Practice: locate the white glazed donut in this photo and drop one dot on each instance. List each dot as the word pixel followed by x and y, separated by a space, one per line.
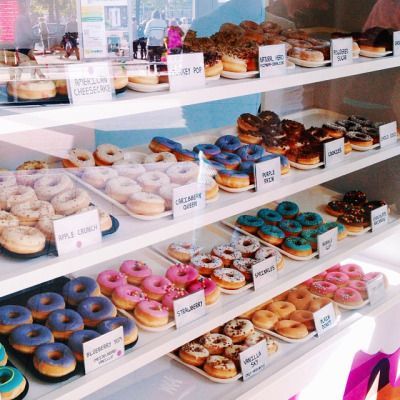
pixel 7 179
pixel 7 220
pixel 134 157
pixel 107 154
pixel 143 203
pixel 152 181
pixel 183 172
pixel 50 185
pixel 98 177
pixel 129 170
pixel 16 195
pixel 159 161
pixel 22 239
pixel 121 188
pixel 45 225
pixel 167 192
pixel 104 217
pixel 70 201
pixel 30 213
pixel 27 177
pixel 79 158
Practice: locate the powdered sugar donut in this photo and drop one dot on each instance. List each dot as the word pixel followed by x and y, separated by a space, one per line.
pixel 13 195
pixel 167 193
pixel 30 213
pixel 50 185
pixel 120 188
pixel 107 154
pixel 7 220
pixel 144 203
pixel 159 161
pixel 98 177
pixel 152 181
pixel 183 172
pixel 131 171
pixel 70 201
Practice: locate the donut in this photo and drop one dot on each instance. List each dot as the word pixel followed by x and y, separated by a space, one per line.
pixel 146 79
pixel 155 286
pixel 32 90
pixel 12 316
pixel 249 123
pixel 130 329
pixel 167 193
pixel 7 179
pixel 302 44
pixel 42 304
pixel 54 360
pixel 79 289
pixel 152 181
pixel 228 143
pixel 7 220
pixel 13 383
pixel 107 154
pixel 98 176
pixel 300 298
pixel 338 207
pixel 285 165
pixel 256 337
pixel 93 310
pixel 238 329
pixel 220 367
pixel 245 266
pixel 228 160
pixel 250 137
pixel 360 286
pixel 291 329
pixel 271 234
pixel 30 213
pixel 70 201
pixel 226 253
pixel 342 232
pixel 249 223
pixel 159 161
pixel 281 308
pixel 14 195
pixel 311 235
pixel 247 167
pixel 288 209
pixel 373 205
pixel 173 293
pixel 334 130
pixel 63 323
pixel 79 158
pixel 181 275
pixel 334 268
pixel 317 135
pixel 233 63
pixel 264 319
pixel 3 356
pixel 211 290
pixel 215 343
pixel 161 144
pixel 309 220
pixel 135 271
pixel 121 188
pixel 305 317
pixel 355 197
pixel 306 155
pixel 207 150
pixel 290 227
pixel 250 152
pixel 129 169
pixel 76 340
pixel 306 284
pixel 30 171
pixel 144 203
pixel 206 263
pixel 183 251
pixel 348 296
pixel 185 155
pixel 22 240
pixel 360 139
pixel 233 353
pixel 297 246
pixel 266 252
pixel 127 297
pixel 182 172
pixel 26 338
pixel 151 313
pixel 355 221
pixel 323 289
pixel 319 303
pixel 306 54
pixel 50 185
pixel 228 278
pixel 269 216
pixel 109 280
pixel 193 353
pixel 247 245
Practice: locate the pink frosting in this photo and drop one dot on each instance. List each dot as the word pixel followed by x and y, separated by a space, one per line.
pixel 371 276
pixel 130 293
pixel 334 268
pixel 181 274
pixel 152 308
pixel 354 271
pixel 172 294
pixel 323 288
pixel 337 278
pixel 348 296
pixel 207 284
pixel 135 269
pixel 111 279
pixel 156 284
pixel 360 286
pixel 320 277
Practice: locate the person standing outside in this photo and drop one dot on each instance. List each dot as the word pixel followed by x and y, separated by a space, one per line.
pixel 155 32
pixel 71 39
pixel 44 34
pixel 135 38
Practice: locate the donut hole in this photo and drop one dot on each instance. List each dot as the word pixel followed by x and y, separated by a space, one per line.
pixel 5 376
pixel 80 288
pixel 247 242
pixel 110 153
pixel 55 355
pixel 96 308
pixel 33 334
pixel 82 158
pixel 207 260
pixel 14 314
pixel 113 278
pixel 65 319
pixel 228 252
pixel 181 273
pixel 45 301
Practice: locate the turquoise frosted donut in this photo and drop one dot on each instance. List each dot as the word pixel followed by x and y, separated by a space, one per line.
pixel 273 231
pixel 311 235
pixel 270 217
pixel 290 227
pixel 3 355
pixel 288 209
pixel 309 219
pixel 12 381
pixel 249 223
pixel 331 225
pixel 297 246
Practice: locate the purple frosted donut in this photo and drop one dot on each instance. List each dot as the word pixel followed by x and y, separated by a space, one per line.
pixel 228 160
pixel 250 152
pixel 228 143
pixel 232 179
pixel 209 150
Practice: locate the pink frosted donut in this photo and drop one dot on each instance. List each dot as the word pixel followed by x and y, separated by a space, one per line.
pixel 211 290
pixel 136 271
pixel 155 286
pixel 334 268
pixel 338 278
pixel 323 289
pixel 172 294
pixel 348 296
pixel 360 286
pixel 372 275
pixel 182 274
pixel 109 280
pixel 320 277
pixel 127 296
pixel 151 313
pixel 353 271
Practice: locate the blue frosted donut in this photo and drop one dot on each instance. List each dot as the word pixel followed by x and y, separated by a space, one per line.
pixel 249 223
pixel 185 155
pixel 42 304
pixel 271 230
pixel 228 143
pixel 228 160
pixel 211 165
pixel 79 289
pixel 311 235
pixel 76 340
pixel 54 359
pixel 3 355
pixel 96 309
pixel 209 150
pixel 297 246
pixel 270 217
pixel 128 325
pixel 285 165
pixel 290 227
pixel 159 144
pixel 233 178
pixel 288 209
pixel 63 322
pixel 331 225
pixel 12 316
pixel 26 338
pixel 250 152
pixel 309 220
pixel 248 168
pixel 11 381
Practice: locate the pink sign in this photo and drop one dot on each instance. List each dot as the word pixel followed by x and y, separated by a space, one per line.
pixel 8 15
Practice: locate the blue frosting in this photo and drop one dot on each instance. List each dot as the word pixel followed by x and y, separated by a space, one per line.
pixel 228 143
pixel 45 302
pixel 79 289
pixel 55 354
pixel 30 335
pixel 297 243
pixel 96 309
pixel 76 340
pixel 64 320
pixel 288 209
pixel 284 160
pixel 272 230
pixel 211 164
pixel 171 144
pixel 309 219
pixel 232 172
pixel 290 226
pixel 250 220
pixel 187 154
pixel 248 167
pixel 11 378
pixel 311 235
pixel 269 216
pixel 250 152
pixel 14 315
pixel 331 225
pixel 207 149
pixel 109 325
pixel 229 160
pixel 3 353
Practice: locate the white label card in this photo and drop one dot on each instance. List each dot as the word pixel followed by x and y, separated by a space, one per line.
pixel 188 199
pixel 342 51
pixel 189 308
pixel 388 134
pixel 103 349
pixel 325 319
pixel 396 43
pixel 376 290
pixel 379 217
pixel 272 60
pixel 334 152
pixel 89 83
pixel 267 174
pixel 186 71
pixel 327 242
pixel 77 231
pixel 264 272
pixel 253 360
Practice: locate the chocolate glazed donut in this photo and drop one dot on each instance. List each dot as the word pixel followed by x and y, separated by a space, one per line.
pixel 292 128
pixel 249 123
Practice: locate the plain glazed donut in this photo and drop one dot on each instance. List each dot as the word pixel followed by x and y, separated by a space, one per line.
pixel 22 240
pixel 98 177
pixel 264 319
pixel 220 367
pixel 79 158
pixel 144 203
pixel 317 304
pixel 182 172
pixel 238 329
pixel 300 298
pixel 281 308
pixel 305 317
pixel 29 214
pixel 291 329
pixel 193 353
pixel 216 343
pixel 107 154
pixel 48 186
pixel 120 188
pixel 151 313
pixel 14 195
pixel 70 201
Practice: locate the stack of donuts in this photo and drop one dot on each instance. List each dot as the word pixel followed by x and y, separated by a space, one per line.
pixel 376 40
pixel 218 352
pixel 344 284
pixel 228 265
pixel 150 297
pixel 52 327
pixel 293 231
pixel 354 210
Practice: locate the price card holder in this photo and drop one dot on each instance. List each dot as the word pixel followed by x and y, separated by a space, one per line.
pixel 376 290
pixel 325 319
pixel 253 360
pixel 77 231
pixel 189 308
pixel 188 199
pixel 388 134
pixel 396 43
pixel 264 272
pixel 267 174
pixel 334 152
pixel 272 60
pixel 342 51
pixel 186 71
pixel 379 217
pixel 89 83
pixel 103 349
pixel 327 242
